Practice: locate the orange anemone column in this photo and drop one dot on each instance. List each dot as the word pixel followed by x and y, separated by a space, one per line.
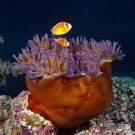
pixel 69 102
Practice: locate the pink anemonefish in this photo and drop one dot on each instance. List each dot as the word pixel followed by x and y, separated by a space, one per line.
pixel 62 42
pixel 61 28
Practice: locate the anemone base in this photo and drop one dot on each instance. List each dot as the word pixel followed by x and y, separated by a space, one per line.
pixel 69 102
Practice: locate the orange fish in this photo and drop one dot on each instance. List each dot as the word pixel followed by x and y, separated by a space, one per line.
pixel 62 42
pixel 61 28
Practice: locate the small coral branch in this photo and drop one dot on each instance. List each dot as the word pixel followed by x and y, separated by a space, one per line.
pixel 91 55
pixel 1 40
pixel 6 68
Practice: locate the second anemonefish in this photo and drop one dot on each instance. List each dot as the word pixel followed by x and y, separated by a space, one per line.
pixel 62 42
pixel 61 28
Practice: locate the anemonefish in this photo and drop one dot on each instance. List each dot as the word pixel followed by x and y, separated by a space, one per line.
pixel 61 28
pixel 62 42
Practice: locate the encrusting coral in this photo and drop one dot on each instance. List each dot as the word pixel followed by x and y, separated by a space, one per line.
pixel 68 85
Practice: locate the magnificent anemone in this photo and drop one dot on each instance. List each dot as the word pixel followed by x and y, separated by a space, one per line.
pixel 68 85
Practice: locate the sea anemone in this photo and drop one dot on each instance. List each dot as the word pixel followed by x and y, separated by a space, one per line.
pixel 68 85
pixel 44 59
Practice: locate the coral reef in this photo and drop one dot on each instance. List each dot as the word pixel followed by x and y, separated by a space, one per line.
pixel 128 83
pixel 19 118
pixel 6 68
pixel 80 73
